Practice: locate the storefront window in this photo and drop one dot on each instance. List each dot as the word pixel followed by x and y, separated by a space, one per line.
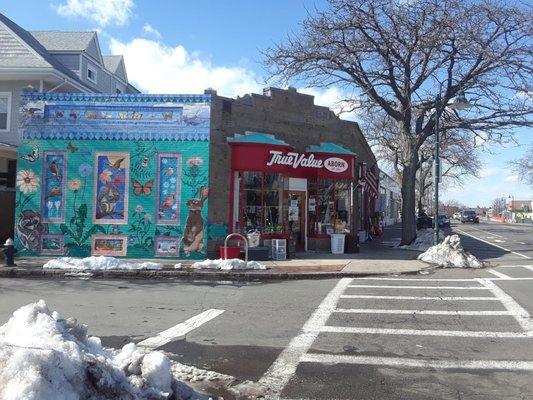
pixel 261 196
pixel 329 206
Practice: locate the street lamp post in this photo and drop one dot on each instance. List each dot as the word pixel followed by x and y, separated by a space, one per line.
pixel 511 196
pixel 460 103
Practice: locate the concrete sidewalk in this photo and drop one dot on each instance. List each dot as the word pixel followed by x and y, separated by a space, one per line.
pixel 375 258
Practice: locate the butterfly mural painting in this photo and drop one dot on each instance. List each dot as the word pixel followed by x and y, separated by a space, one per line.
pixel 32 156
pixel 140 189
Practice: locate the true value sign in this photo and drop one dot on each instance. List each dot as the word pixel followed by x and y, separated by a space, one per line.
pixel 297 160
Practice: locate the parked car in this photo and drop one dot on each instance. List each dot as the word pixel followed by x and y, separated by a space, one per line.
pixel 469 216
pixel 443 220
pixel 457 216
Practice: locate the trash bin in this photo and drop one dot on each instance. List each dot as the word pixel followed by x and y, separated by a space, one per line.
pixel 337 243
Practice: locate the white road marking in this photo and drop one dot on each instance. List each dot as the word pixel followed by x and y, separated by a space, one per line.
pixel 418 279
pixel 180 330
pixel 522 242
pixel 492 244
pixel 519 313
pixel 284 367
pixel 450 298
pixel 419 287
pixel 528 267
pixel 421 312
pixel 508 365
pixel 499 241
pixel 498 274
pixel 424 332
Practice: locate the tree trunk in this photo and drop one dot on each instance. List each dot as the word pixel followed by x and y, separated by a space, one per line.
pixel 409 202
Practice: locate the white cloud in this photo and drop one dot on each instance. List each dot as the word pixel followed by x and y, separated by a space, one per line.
pixel 333 98
pixel 489 171
pixel 157 68
pixel 103 12
pixel 150 30
pixel 511 178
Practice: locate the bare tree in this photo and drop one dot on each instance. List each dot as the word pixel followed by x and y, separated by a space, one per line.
pixel 523 167
pixel 408 59
pixel 499 205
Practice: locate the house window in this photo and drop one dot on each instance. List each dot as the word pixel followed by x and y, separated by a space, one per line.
pixel 5 111
pixel 91 74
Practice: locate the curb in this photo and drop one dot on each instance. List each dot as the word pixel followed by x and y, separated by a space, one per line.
pixel 17 272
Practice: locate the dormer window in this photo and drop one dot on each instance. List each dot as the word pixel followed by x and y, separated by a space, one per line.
pixel 91 74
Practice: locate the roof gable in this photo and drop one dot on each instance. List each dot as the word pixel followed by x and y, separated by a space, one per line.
pixel 41 59
pixel 115 65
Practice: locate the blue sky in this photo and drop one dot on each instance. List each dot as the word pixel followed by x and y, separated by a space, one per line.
pixel 191 45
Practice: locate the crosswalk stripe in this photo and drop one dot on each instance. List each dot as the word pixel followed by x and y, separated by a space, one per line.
pixel 508 365
pixel 447 298
pixel 424 332
pixel 419 287
pixel 421 312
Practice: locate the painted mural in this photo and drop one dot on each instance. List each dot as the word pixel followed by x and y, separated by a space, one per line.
pixel 122 175
pixel 110 191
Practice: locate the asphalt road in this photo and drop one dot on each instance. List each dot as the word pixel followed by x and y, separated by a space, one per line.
pixel 453 334
pixel 497 243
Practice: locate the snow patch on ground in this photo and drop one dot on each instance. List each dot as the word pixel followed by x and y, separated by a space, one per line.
pixel 46 357
pixel 423 241
pixel 96 263
pixel 233 263
pixel 450 253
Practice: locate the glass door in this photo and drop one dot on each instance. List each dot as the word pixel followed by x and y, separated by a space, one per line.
pixel 296 218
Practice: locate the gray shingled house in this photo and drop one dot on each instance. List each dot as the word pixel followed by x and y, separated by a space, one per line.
pixel 49 61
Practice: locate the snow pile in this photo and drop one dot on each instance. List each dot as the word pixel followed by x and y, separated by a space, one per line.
pixel 423 241
pixel 100 262
pixel 450 253
pixel 46 357
pixel 233 263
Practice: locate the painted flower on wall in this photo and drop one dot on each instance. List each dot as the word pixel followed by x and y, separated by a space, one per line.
pixel 74 184
pixel 147 217
pixel 139 209
pixel 105 176
pixel 195 161
pixel 85 170
pixel 27 181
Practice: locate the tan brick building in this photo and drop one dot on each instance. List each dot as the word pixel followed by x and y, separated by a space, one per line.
pixel 288 168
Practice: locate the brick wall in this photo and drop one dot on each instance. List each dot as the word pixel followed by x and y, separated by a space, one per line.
pixel 287 114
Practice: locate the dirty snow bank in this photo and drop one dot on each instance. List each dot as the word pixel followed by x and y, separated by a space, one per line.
pixel 423 241
pixel 100 262
pixel 46 357
pixel 450 253
pixel 233 263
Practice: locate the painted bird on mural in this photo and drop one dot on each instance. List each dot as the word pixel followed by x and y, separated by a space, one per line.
pixel 117 164
pixel 167 203
pixel 170 171
pixel 54 169
pixel 55 191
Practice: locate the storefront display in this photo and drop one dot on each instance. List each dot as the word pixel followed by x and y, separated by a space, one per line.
pixel 303 195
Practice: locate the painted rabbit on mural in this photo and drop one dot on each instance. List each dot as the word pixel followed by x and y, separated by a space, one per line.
pixel 193 236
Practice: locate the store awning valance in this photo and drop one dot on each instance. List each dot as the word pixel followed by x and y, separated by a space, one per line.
pixel 257 138
pixel 328 147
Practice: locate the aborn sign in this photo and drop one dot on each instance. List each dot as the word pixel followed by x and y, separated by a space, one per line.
pixel 296 160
